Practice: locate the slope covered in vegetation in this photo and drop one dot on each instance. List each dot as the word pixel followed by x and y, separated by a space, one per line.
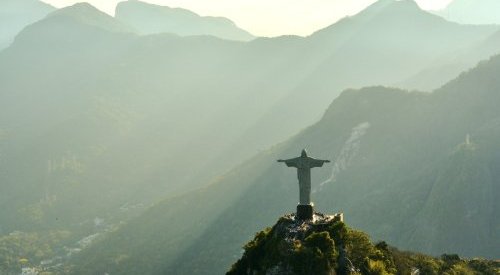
pixel 327 246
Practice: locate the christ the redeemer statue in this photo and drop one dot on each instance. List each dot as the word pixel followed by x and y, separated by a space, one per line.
pixel 304 164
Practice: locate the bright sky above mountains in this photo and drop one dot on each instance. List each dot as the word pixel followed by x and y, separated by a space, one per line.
pixel 266 17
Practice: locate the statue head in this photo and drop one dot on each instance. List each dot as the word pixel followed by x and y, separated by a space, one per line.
pixel 304 153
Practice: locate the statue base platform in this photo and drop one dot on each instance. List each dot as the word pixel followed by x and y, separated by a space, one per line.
pixel 305 211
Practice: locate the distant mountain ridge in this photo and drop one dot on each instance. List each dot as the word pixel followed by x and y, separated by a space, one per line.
pixel 377 46
pixel 472 11
pixel 147 18
pixel 134 16
pixel 87 14
pixel 17 14
pixel 450 65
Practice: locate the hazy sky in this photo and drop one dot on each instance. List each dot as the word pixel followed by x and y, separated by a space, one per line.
pixel 266 17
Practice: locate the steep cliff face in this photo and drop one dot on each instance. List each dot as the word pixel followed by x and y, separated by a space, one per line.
pixel 326 246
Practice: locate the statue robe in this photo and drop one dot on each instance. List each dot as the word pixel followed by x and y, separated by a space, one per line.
pixel 304 165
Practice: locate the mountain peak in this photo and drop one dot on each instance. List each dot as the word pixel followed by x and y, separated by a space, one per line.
pixel 392 6
pixel 290 247
pixel 327 246
pixel 81 7
pixel 148 18
pixel 136 4
pixel 86 13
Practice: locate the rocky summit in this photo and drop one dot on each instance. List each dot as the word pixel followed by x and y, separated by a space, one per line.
pixel 325 245
pixel 294 246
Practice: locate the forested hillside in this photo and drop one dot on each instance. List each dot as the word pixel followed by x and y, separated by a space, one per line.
pixel 326 246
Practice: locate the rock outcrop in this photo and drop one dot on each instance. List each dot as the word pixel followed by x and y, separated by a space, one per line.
pixel 326 246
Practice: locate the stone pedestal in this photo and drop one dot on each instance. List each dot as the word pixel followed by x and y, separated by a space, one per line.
pixel 305 211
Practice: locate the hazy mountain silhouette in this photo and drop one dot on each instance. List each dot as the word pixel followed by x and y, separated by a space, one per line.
pixel 450 65
pixel 94 117
pixel 415 169
pixel 17 14
pixel 100 94
pixel 472 11
pixel 86 14
pixel 380 45
pixel 110 101
pixel 147 18
pixel 54 74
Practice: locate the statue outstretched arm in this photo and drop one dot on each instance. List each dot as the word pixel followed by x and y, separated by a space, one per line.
pixel 318 162
pixel 290 162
